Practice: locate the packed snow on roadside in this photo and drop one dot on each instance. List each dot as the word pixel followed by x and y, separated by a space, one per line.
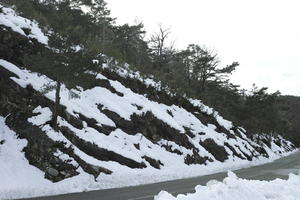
pixel 233 187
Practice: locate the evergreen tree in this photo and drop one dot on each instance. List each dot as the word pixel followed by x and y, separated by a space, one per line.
pixel 202 66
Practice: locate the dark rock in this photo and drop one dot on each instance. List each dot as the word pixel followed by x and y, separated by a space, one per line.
pixel 267 141
pixel 74 121
pixel 66 174
pixel 99 170
pixel 106 84
pixel 154 163
pixel 93 123
pixel 97 152
pixel 137 146
pixel 26 30
pixel 138 107
pixel 261 151
pixel 188 132
pixel 170 149
pixel 216 150
pixel 17 104
pixel 278 142
pixel 155 130
pixel 170 113
pixel 52 172
pixel 14 46
pixel 234 151
pixel 245 154
pixel 151 127
pixel 195 159
pixel 88 168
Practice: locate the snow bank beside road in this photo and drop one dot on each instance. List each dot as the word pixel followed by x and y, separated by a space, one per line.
pixel 233 187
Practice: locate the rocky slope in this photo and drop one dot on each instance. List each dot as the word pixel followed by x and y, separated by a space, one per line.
pixel 121 127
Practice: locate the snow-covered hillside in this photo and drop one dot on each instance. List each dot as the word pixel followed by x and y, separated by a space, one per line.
pixel 109 135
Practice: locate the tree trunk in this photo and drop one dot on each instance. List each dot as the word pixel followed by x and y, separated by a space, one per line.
pixel 56 104
pixel 188 89
pixel 203 82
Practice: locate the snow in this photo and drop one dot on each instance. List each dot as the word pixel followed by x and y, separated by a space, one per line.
pixel 125 106
pixel 85 105
pixel 44 116
pixel 10 19
pixel 19 179
pixel 223 122
pixel 25 77
pixel 77 48
pixel 123 143
pixel 123 70
pixel 15 171
pixel 233 187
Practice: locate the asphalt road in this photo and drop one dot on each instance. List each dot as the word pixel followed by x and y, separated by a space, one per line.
pixel 277 169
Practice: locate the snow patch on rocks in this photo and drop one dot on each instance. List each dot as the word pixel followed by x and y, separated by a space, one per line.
pixel 9 18
pixel 44 116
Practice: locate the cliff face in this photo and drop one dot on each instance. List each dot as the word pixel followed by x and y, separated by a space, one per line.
pixel 120 126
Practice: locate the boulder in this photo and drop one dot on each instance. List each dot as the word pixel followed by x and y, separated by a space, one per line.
pixel 52 172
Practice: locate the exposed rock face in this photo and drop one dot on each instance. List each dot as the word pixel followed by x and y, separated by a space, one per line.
pixel 14 46
pixel 217 151
pixel 154 163
pixel 51 172
pixel 17 104
pixel 99 153
pixel 151 127
pixel 195 159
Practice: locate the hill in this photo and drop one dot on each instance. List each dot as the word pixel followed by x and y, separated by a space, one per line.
pixel 72 120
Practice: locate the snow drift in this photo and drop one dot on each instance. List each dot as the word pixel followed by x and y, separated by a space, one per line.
pixel 233 187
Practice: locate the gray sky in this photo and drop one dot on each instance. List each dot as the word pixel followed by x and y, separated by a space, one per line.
pixel 262 35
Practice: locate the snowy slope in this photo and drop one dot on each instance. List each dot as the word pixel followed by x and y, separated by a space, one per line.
pixel 172 165
pixel 108 135
pixel 14 167
pixel 125 106
pixel 19 24
pixel 233 187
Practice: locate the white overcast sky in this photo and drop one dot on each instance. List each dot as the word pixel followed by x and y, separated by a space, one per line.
pixel 262 35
